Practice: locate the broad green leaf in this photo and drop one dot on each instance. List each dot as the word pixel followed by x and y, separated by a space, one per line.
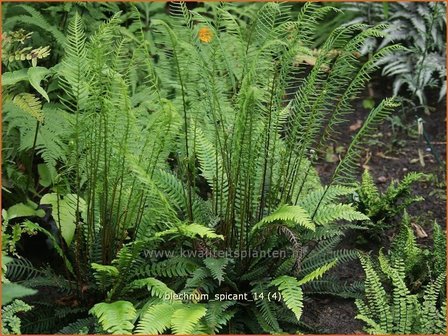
pixel 46 175
pixel 36 75
pixel 11 78
pixel 11 291
pixel 64 212
pixel 24 210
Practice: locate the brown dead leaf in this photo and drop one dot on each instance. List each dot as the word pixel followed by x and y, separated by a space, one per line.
pixel 419 231
pixel 382 179
pixel 384 156
pixel 355 126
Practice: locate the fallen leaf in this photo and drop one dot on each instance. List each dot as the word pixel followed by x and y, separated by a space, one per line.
pixel 419 231
pixel 384 156
pixel 356 125
pixel 382 179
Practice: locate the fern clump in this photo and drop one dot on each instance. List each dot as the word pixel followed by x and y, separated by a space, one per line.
pixel 184 170
pixel 382 208
pixel 398 311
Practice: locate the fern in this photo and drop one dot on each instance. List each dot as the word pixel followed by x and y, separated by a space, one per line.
pixel 400 312
pixel 267 315
pixel 156 319
pixel 195 133
pixel 343 172
pixel 21 269
pixel 292 294
pixel 81 326
pixel 290 215
pixel 382 207
pixel 156 287
pixel 218 315
pixel 116 317
pixel 419 27
pixel 185 319
pixel 216 267
pixel 10 321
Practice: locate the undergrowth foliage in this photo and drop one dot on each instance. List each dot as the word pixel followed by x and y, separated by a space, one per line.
pixel 421 28
pixel 398 311
pixel 201 136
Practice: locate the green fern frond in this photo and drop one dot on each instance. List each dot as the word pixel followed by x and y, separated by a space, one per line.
pixel 30 104
pixel 378 304
pixel 184 320
pixel 265 311
pixel 218 315
pixel 173 267
pixel 369 190
pixel 317 273
pixel 331 212
pixel 156 319
pixel 439 238
pixel 116 317
pixel 81 326
pixel 343 173
pixel 74 68
pixel 292 294
pixel 332 193
pixel 11 323
pixel 21 269
pixel 156 287
pixel 291 215
pixel 105 275
pixel 217 267
pixel 429 312
pixel 35 18
pixel 192 230
pixel 330 285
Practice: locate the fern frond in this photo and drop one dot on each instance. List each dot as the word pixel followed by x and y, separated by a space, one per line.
pixel 30 104
pixel 116 317
pixel 173 267
pixel 81 326
pixel 292 294
pixel 156 287
pixel 184 320
pixel 290 215
pixel 343 173
pixel 21 269
pixel 376 296
pixel 266 314
pixel 317 273
pixel 156 319
pixel 192 230
pixel 331 212
pixel 11 323
pixel 218 315
pixel 217 267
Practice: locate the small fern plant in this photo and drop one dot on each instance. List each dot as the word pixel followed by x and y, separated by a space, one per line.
pixel 398 311
pixel 422 262
pixel 383 207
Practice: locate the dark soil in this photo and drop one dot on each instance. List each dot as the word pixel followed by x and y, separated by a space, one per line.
pixel 391 155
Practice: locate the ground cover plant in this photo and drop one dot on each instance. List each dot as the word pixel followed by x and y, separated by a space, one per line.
pixel 171 164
